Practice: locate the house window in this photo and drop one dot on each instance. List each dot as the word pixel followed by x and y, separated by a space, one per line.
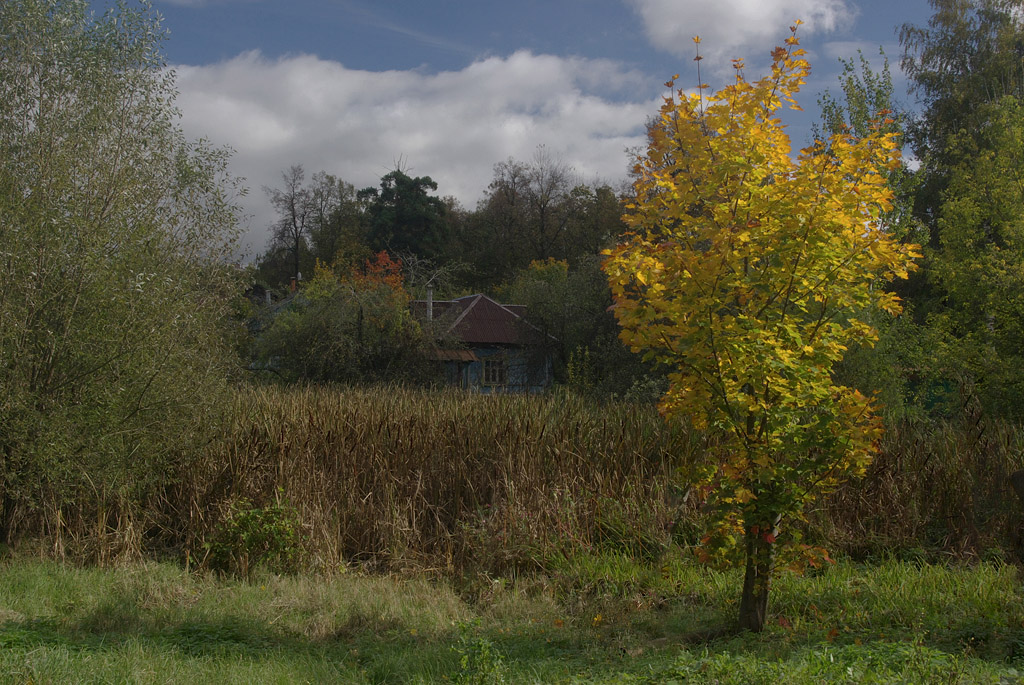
pixel 495 371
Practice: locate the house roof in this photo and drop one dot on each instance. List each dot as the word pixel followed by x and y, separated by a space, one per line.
pixel 479 320
pixel 453 355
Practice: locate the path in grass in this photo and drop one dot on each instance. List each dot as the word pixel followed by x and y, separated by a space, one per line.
pixel 606 620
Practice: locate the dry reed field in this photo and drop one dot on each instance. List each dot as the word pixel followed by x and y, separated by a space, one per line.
pixel 391 479
pixel 397 478
pixel 941 487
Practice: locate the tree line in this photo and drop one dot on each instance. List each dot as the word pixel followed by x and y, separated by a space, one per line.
pixel 535 239
pixel 537 235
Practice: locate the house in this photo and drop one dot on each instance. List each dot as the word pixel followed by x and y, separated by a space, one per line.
pixel 487 346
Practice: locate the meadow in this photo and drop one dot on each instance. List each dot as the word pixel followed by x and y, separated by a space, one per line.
pixel 888 622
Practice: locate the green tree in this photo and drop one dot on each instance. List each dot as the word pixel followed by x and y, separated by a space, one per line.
pixel 403 218
pixel 337 232
pixel 595 222
pixel 114 236
pixel 968 55
pixel 534 211
pixel 348 325
pixel 570 306
pixel 965 67
pixel 747 272
pixel 978 266
pixel 556 304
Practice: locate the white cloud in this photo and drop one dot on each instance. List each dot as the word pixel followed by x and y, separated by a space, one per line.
pixel 729 29
pixel 453 126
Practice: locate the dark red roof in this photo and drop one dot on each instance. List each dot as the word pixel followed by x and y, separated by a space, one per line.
pixel 479 320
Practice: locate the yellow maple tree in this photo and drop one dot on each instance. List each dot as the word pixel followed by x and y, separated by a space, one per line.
pixel 749 272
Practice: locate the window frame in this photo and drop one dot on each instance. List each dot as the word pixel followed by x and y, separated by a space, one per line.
pixel 494 371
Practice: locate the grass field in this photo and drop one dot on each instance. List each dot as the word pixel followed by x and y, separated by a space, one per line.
pixel 598 619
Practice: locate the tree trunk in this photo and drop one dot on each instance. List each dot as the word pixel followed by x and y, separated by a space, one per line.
pixel 756 580
pixel 7 518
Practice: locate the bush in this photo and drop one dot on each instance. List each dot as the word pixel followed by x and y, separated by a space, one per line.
pixel 355 328
pixel 114 232
pixel 250 537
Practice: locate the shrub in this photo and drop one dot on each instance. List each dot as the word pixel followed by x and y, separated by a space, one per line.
pixel 114 231
pixel 250 537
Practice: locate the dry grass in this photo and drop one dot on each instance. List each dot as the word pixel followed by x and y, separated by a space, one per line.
pixel 934 487
pixel 397 478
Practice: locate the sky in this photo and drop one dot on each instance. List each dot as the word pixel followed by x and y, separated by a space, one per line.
pixel 449 88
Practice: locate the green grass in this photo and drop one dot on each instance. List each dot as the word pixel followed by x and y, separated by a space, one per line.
pixel 597 619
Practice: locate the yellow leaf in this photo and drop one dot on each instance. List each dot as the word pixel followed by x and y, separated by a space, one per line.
pixel 750 336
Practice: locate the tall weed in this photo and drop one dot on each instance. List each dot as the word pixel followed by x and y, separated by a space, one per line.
pixel 396 478
pixel 392 478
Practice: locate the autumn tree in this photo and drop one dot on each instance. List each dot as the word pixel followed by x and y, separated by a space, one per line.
pixel 896 367
pixel 748 271
pixel 864 92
